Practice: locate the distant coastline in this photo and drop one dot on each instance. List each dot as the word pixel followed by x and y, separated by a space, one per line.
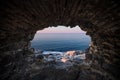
pixel 61 41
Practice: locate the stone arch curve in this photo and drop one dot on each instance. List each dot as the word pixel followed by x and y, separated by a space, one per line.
pixel 20 19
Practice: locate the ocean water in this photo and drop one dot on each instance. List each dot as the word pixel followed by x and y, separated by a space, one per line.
pixel 60 41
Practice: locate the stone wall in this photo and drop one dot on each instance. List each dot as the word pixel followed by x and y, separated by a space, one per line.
pixel 20 19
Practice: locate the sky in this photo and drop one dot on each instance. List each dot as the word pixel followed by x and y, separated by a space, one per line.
pixel 61 29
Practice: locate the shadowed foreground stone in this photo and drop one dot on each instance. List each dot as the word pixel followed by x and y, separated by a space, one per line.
pixel 20 19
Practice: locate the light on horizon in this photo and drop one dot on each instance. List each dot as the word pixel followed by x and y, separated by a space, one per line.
pixel 61 29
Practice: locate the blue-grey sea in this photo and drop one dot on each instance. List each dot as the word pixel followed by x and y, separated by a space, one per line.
pixel 60 41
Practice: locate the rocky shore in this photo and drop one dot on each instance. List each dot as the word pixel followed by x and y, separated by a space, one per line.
pixel 58 59
pixel 28 65
pixel 54 67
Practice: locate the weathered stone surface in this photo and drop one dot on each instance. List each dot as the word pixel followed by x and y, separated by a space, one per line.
pixel 20 19
pixel 56 74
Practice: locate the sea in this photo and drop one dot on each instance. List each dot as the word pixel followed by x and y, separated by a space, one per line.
pixel 60 41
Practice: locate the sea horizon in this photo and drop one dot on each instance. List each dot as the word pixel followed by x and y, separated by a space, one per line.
pixel 61 33
pixel 60 42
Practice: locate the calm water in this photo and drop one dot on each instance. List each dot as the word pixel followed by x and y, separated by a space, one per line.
pixel 60 41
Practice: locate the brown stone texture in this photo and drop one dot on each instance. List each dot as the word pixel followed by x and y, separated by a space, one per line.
pixel 20 19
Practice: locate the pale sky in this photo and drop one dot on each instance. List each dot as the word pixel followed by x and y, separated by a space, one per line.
pixel 61 29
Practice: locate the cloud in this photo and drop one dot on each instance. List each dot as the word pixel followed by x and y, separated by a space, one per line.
pixel 61 29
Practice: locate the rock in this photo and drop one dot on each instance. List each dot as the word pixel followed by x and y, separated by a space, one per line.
pixel 20 19
pixel 39 58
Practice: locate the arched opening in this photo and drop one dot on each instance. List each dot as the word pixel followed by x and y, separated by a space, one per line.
pixel 61 45
pixel 61 38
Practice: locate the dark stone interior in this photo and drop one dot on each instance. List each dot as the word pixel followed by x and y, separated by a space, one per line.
pixel 20 19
